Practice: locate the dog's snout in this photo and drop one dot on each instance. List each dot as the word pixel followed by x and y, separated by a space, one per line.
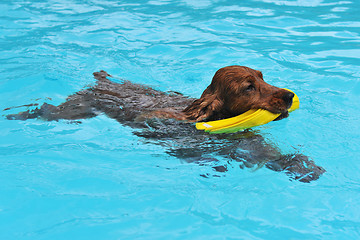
pixel 288 97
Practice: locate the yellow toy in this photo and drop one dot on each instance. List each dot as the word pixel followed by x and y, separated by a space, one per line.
pixel 249 119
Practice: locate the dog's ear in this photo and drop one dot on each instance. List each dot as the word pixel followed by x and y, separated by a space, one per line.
pixel 205 107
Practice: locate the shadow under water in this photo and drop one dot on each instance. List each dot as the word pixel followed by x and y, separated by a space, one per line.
pixel 248 148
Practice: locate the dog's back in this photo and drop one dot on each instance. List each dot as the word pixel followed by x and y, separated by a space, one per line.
pixel 127 102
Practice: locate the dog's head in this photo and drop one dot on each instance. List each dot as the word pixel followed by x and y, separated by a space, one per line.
pixel 235 90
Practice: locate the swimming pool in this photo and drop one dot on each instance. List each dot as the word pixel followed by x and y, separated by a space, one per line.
pixel 97 180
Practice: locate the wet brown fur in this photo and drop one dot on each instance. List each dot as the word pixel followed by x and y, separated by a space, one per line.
pixel 235 90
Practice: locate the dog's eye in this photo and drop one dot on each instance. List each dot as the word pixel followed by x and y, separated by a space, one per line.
pixel 250 88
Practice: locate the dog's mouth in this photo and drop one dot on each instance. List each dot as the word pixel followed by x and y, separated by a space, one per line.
pixel 282 116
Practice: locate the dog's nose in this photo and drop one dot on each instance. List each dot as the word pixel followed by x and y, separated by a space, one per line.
pixel 288 97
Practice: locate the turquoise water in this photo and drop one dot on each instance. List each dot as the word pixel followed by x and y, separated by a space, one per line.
pixel 97 180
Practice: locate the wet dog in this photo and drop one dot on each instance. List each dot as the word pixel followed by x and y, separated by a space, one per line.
pixel 168 118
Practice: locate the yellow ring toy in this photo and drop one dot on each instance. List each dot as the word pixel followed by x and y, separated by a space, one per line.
pixel 249 119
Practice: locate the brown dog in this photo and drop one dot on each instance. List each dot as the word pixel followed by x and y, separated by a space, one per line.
pixel 169 116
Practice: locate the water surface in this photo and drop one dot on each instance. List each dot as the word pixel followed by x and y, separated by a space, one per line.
pixel 97 180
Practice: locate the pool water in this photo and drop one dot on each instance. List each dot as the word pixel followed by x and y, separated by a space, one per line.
pixel 97 180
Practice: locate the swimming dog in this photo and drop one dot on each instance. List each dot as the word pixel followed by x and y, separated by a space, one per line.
pixel 170 117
